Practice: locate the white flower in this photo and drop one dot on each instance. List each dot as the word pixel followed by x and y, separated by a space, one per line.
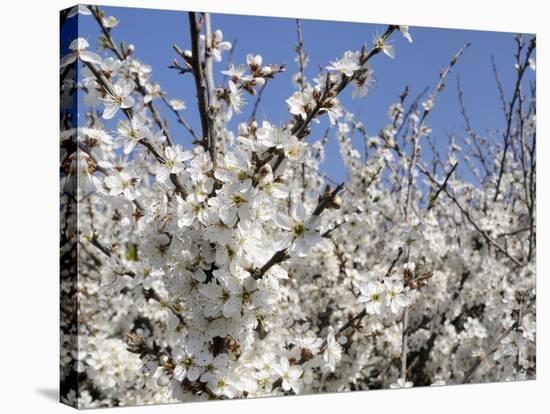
pixel 384 46
pixel 236 100
pixel 145 274
pixel 124 183
pixel 121 98
pixel 217 45
pixel 173 162
pixel 300 103
pixel 129 134
pixel 372 297
pixel 200 164
pixel 153 91
pixel 300 234
pixel 241 295
pixel 333 109
pixel 405 32
pixel 290 375
pixel 156 248
pixel 110 22
pixel 347 65
pixel 78 51
pixel 235 167
pixel 333 351
pixel 80 175
pixel 235 73
pixel 95 134
pixel 177 104
pixel 254 61
pixel 190 210
pixel 269 136
pixel 216 296
pixel 223 386
pixel 294 148
pixel 231 202
pixel 110 65
pixel 190 365
pixel 268 188
pixel 309 341
pixel 395 297
pixel 409 267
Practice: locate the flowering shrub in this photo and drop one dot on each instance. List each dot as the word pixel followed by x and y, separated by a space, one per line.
pixel 234 268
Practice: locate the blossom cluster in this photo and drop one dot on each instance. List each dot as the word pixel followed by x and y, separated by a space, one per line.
pixel 229 266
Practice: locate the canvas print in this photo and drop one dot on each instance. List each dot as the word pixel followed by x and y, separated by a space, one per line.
pixel 255 206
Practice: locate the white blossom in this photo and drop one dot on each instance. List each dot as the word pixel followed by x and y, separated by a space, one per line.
pixel 347 65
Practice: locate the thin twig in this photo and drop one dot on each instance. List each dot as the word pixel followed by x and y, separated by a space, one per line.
pixel 442 186
pixel 517 91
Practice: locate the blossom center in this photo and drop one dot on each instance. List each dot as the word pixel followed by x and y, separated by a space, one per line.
pixel 298 229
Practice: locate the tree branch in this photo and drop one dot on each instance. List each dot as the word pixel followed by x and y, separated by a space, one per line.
pixel 199 77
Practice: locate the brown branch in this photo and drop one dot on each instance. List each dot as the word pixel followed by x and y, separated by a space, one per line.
pixel 439 87
pixel 252 117
pixel 517 91
pixel 301 55
pixel 442 186
pixel 468 126
pixel 500 88
pixel 199 77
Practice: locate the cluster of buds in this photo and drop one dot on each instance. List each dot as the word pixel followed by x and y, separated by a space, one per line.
pixel 414 279
pixel 187 57
pixel 257 76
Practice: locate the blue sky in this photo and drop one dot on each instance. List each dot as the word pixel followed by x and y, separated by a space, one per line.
pixel 153 32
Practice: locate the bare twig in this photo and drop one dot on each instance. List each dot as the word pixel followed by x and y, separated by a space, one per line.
pixel 517 90
pixel 442 186
pixel 468 126
pixel 252 117
pixel 302 56
pixel 427 109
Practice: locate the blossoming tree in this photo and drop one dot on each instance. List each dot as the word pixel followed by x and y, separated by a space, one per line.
pixel 228 265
